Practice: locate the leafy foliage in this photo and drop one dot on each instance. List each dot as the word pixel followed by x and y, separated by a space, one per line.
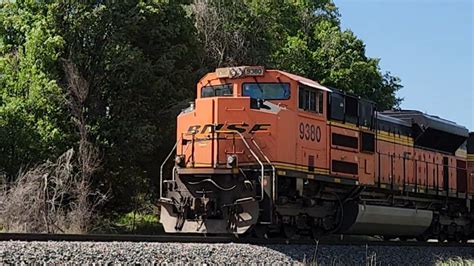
pixel 302 37
pixel 137 57
pixel 32 125
pixel 337 59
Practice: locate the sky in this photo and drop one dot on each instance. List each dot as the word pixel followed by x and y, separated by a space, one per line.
pixel 428 44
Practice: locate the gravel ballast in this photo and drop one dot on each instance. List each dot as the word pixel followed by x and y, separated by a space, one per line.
pixel 15 252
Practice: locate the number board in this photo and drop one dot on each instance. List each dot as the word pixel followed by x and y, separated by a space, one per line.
pixel 309 132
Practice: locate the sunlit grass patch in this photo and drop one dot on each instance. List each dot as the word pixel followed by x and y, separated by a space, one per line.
pixel 454 261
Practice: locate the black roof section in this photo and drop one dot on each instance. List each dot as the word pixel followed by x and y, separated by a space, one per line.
pixel 431 131
pixel 470 143
pixel 428 121
pixel 394 120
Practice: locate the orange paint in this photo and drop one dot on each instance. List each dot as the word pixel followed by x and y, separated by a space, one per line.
pixel 299 140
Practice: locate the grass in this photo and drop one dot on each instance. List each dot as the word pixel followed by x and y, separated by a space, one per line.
pixel 128 223
pixel 131 223
pixel 143 223
pixel 455 261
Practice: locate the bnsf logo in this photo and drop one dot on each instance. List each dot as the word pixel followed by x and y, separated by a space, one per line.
pixel 209 128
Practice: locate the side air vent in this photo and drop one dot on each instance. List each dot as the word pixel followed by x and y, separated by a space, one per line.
pixel 470 143
pixel 367 142
pixel 345 167
pixel 461 175
pixel 345 141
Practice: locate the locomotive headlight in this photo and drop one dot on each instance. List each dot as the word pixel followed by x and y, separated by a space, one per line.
pixel 179 160
pixel 231 160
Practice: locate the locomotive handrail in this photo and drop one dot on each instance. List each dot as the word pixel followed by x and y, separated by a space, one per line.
pixel 163 164
pixel 262 188
pixel 270 163
pixel 273 172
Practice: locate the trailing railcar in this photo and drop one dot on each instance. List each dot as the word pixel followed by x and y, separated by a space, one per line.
pixel 269 152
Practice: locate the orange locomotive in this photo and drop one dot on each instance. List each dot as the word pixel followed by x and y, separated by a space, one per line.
pixel 266 151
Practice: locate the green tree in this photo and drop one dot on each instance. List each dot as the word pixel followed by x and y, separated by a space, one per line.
pixel 302 37
pixel 337 59
pixel 138 57
pixel 230 33
pixel 32 125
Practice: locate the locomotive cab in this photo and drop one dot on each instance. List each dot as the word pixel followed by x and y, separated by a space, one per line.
pixel 249 101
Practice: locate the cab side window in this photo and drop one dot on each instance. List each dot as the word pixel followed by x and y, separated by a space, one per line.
pixel 216 90
pixel 310 99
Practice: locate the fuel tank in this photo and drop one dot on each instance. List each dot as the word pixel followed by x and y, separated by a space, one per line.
pixel 383 220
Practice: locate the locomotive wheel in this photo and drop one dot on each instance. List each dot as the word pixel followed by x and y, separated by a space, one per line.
pixel 442 237
pixel 458 238
pixel 290 232
pixel 260 231
pixel 403 238
pixel 455 238
pixel 422 238
pixel 317 232
pixel 388 238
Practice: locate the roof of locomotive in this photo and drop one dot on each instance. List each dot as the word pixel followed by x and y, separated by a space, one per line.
pixel 384 117
pixel 255 71
pixel 303 80
pixel 425 121
pixel 429 131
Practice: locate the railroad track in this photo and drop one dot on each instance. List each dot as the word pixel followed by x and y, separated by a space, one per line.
pixel 114 238
pixel 215 239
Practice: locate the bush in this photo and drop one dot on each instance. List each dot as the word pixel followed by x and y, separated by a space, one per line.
pixel 50 198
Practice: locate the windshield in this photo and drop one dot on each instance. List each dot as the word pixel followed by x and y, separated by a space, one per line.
pixel 217 90
pixel 267 91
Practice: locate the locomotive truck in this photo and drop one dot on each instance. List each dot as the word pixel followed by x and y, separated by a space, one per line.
pixel 269 152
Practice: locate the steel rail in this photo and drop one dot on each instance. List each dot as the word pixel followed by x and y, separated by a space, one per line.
pixel 216 239
pixel 113 238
